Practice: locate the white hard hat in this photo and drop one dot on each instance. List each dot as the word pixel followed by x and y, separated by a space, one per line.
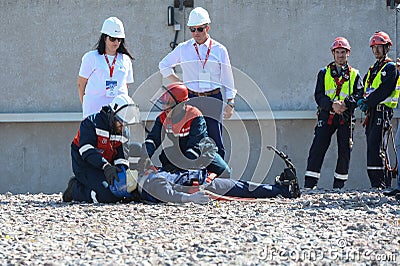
pixel 125 110
pixel 113 27
pixel 198 16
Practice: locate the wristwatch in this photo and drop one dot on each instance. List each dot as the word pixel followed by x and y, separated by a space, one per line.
pixel 231 104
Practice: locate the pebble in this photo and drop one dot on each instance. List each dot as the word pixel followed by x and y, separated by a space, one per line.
pixel 322 227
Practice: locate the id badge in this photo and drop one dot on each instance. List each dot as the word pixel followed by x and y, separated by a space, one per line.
pixel 111 88
pixel 204 80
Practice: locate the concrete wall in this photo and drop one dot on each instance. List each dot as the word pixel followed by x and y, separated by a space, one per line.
pixel 277 46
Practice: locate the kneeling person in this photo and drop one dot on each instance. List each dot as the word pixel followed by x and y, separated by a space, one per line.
pixel 97 152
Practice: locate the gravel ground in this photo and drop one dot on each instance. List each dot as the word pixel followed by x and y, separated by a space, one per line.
pixel 322 227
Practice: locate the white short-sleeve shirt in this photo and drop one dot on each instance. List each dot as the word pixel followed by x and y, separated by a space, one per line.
pixel 94 67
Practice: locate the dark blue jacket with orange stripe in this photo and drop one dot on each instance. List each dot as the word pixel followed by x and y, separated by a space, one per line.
pixel 96 144
pixel 186 132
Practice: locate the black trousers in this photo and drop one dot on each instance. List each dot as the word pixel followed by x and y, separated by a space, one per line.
pixel 322 138
pixel 373 132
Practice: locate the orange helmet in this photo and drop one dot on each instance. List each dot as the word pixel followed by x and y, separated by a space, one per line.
pixel 170 96
pixel 380 37
pixel 340 42
pixel 178 91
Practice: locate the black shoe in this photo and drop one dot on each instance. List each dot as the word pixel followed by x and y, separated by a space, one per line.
pixel 288 178
pixel 391 193
pixel 397 197
pixel 310 182
pixel 67 195
pixel 338 183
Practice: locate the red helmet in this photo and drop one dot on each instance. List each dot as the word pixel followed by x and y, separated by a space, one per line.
pixel 340 42
pixel 380 37
pixel 170 96
pixel 178 91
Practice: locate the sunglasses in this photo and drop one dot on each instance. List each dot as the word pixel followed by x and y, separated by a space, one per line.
pixel 112 39
pixel 199 29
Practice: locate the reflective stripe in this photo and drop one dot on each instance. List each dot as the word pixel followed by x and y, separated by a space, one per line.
pixel 122 161
pixel 101 132
pixel 347 86
pixel 330 92
pixel 313 174
pixel 85 148
pixel 193 152
pixel 341 177
pixel 93 196
pixel 375 168
pixel 133 159
pixel 150 141
pixel 119 138
pixel 342 94
pixel 391 101
pixel 177 135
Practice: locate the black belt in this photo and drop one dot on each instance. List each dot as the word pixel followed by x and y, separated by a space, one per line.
pixel 207 93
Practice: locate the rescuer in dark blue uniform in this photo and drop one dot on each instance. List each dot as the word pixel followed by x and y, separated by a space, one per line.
pixel 97 152
pixel 185 126
pixel 338 88
pixel 380 97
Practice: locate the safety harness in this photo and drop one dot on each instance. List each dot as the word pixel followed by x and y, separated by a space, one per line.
pixel 387 136
pixel 339 83
pixel 372 74
pixel 387 130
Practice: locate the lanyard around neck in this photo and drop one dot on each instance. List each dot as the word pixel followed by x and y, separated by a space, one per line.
pixel 207 55
pixel 111 67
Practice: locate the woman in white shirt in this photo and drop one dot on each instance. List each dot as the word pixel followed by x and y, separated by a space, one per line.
pixel 106 71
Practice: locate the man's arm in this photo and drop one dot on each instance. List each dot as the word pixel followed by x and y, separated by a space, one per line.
pixel 168 62
pixel 198 131
pixel 358 91
pixel 154 138
pixel 387 86
pixel 321 98
pixel 88 145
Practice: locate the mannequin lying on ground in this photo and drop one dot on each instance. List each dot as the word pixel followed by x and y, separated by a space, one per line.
pixel 197 186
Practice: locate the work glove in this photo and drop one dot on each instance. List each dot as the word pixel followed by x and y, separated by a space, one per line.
pixel 111 173
pixel 362 105
pixel 199 197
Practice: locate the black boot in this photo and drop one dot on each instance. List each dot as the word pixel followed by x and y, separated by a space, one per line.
pixel 391 193
pixel 338 183
pixel 397 197
pixel 68 193
pixel 310 182
pixel 288 178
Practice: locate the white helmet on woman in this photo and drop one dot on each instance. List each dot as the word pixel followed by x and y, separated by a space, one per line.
pixel 198 16
pixel 113 27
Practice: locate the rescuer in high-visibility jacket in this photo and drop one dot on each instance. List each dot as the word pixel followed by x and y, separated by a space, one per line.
pixel 339 86
pixel 380 97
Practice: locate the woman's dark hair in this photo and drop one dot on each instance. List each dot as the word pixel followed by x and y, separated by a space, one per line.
pixel 101 46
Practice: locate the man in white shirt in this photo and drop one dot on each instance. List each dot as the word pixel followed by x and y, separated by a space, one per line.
pixel 206 70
